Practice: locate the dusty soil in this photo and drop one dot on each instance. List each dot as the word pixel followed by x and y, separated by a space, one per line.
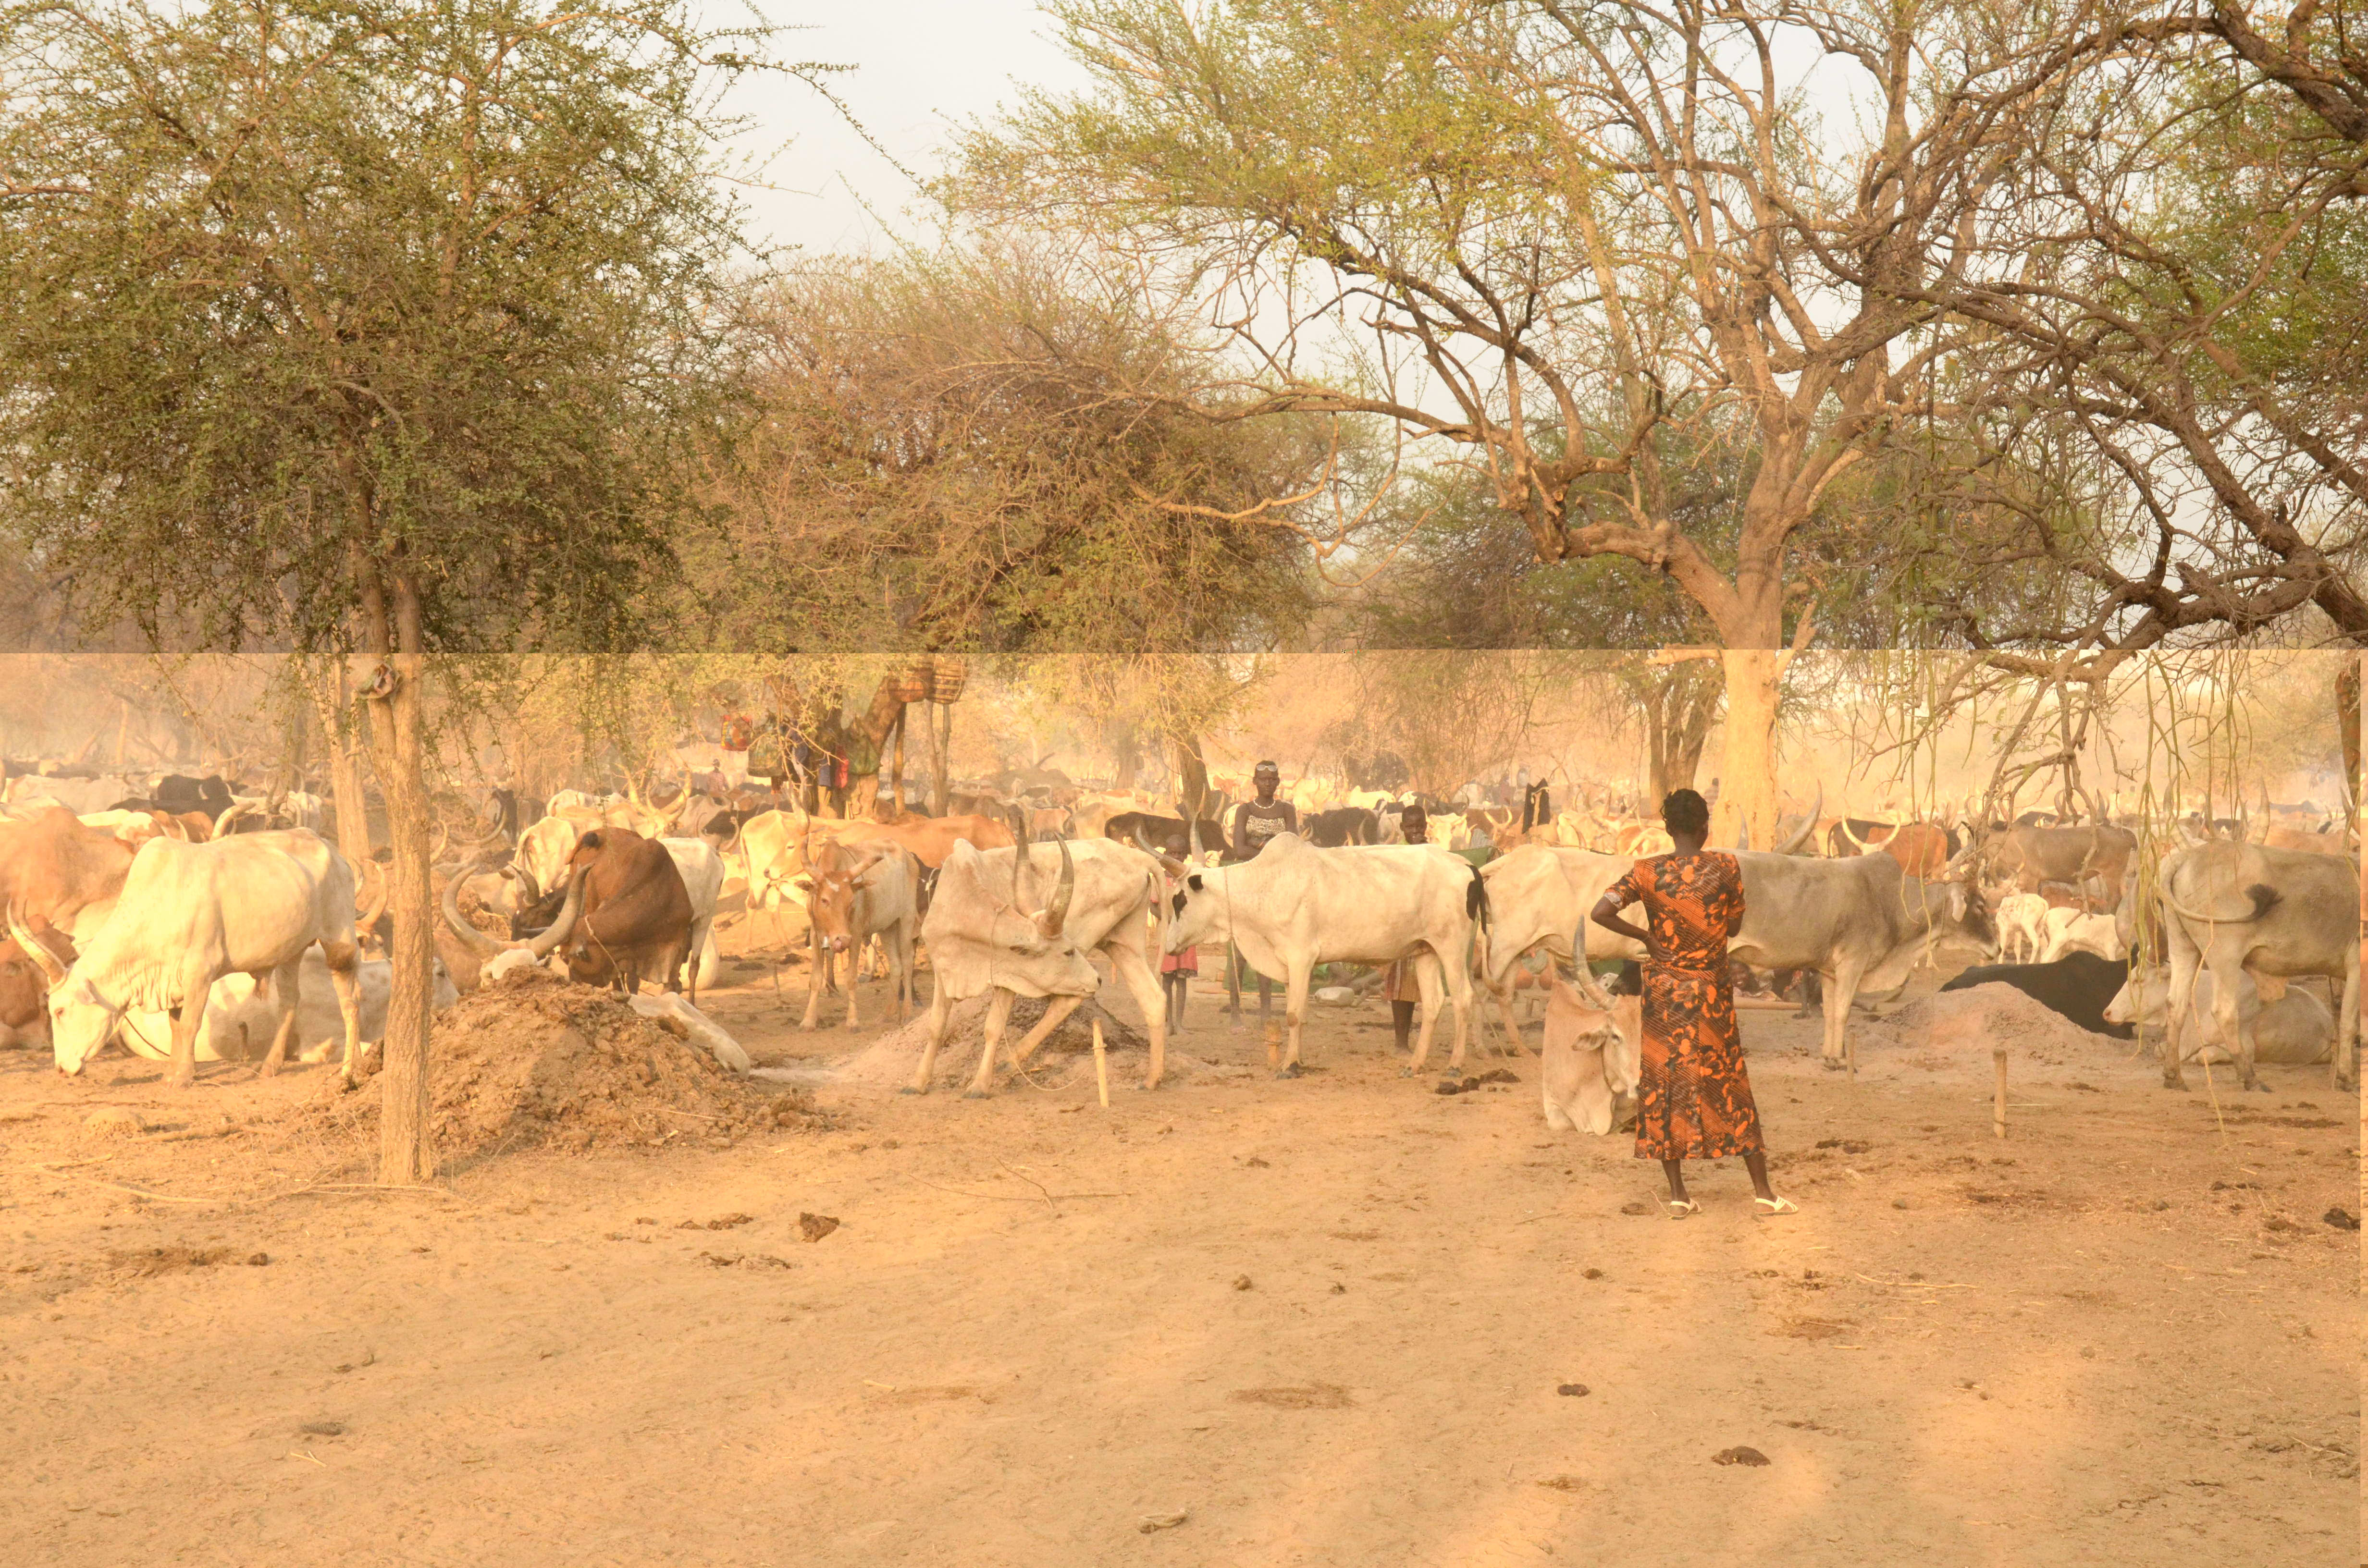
pixel 1344 1320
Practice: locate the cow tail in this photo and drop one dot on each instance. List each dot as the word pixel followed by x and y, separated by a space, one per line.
pixel 1475 901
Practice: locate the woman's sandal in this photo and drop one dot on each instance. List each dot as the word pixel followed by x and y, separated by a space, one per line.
pixel 1767 1206
pixel 1679 1207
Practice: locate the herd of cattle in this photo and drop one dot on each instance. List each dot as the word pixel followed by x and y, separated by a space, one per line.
pixel 191 922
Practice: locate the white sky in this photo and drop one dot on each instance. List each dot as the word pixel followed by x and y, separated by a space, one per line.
pixel 922 67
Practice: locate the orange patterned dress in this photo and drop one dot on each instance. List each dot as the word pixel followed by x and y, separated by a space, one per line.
pixel 1695 1100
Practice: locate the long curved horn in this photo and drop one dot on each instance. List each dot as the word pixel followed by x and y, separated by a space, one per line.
pixel 1793 845
pixel 1194 820
pixel 543 946
pixel 230 813
pixel 1056 913
pixel 1019 848
pixel 35 949
pixel 479 943
pixel 364 920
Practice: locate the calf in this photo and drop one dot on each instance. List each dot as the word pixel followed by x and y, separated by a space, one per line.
pixel 2079 987
pixel 852 894
pixel 1591 1056
pixel 2065 931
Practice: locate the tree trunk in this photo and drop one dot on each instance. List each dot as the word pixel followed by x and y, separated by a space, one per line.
pixel 945 750
pixel 1128 763
pixel 405 1157
pixel 896 768
pixel 1656 774
pixel 1192 779
pixel 347 797
pixel 2347 716
pixel 1747 790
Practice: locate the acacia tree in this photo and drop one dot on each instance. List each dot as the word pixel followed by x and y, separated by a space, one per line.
pixel 369 332
pixel 1613 224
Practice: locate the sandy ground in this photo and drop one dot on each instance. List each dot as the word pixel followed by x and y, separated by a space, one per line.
pixel 1343 1320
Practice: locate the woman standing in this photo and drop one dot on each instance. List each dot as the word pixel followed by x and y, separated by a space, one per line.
pixel 1694 1102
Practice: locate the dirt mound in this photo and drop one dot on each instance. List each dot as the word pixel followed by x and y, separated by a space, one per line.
pixel 1981 1019
pixel 534 1060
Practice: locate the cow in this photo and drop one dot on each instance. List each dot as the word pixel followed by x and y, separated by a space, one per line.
pixel 930 839
pixel 240 1012
pixel 1168 836
pixel 853 893
pixel 1860 923
pixel 1923 850
pixel 25 986
pixel 177 792
pixel 1293 906
pixel 191 913
pixel 2079 987
pixel 2063 931
pixel 543 849
pixel 701 869
pixel 2031 854
pixel 1855 835
pixel 983 937
pixel 2021 917
pixel 1591 1056
pixel 2254 915
pixel 60 871
pixel 1539 896
pixel 2294 1030
pixel 480 951
pixel 771 853
pixel 1046 823
pixel 637 917
pixel 1342 826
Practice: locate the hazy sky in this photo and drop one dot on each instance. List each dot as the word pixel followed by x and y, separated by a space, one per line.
pixel 921 67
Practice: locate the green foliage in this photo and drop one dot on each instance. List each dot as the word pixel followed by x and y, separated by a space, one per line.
pixel 317 307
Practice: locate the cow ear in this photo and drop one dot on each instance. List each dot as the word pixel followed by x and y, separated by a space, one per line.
pixel 1957 903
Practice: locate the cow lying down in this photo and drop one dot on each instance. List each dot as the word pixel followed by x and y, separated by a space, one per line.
pixel 1592 1054
pixel 2294 1028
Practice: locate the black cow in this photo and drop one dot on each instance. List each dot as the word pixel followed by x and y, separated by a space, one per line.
pixel 2080 986
pixel 1343 825
pixel 1168 835
pixel 179 792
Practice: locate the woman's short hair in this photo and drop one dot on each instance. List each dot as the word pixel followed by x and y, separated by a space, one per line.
pixel 1682 810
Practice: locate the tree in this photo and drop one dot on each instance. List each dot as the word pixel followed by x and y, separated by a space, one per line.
pixel 981 449
pixel 1618 221
pixel 371 333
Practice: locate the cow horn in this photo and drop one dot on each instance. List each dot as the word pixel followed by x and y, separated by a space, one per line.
pixel 1019 848
pixel 230 813
pixel 1056 913
pixel 1195 821
pixel 35 949
pixel 1808 825
pixel 479 943
pixel 365 920
pixel 529 891
pixel 542 946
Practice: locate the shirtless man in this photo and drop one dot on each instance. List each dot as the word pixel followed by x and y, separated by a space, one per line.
pixel 1255 821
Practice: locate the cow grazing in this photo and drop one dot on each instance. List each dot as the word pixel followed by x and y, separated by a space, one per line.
pixel 1293 906
pixel 853 893
pixel 2294 1030
pixel 193 913
pixel 1860 923
pixel 478 951
pixel 637 919
pixel 983 936
pixel 2079 987
pixel 2254 915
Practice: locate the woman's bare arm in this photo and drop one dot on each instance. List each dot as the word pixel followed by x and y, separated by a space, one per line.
pixel 1606 914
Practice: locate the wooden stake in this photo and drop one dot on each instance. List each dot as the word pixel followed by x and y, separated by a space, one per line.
pixel 1997 1113
pixel 1101 1065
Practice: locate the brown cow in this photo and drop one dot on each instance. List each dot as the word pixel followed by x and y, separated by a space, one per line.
pixel 854 893
pixel 2032 855
pixel 25 990
pixel 636 915
pixel 53 866
pixel 1920 847
pixel 932 838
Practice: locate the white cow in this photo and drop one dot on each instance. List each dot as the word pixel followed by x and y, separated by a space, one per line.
pixel 2247 913
pixel 1293 906
pixel 2065 931
pixel 983 936
pixel 242 1013
pixel 1539 895
pixel 702 878
pixel 2020 919
pixel 542 852
pixel 191 913
pixel 1593 1054
pixel 2295 1029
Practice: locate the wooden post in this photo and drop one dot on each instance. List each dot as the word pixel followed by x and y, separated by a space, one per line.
pixel 897 769
pixel 1102 1066
pixel 1997 1113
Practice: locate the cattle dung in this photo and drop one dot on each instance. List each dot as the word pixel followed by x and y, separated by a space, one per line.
pixel 536 1061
